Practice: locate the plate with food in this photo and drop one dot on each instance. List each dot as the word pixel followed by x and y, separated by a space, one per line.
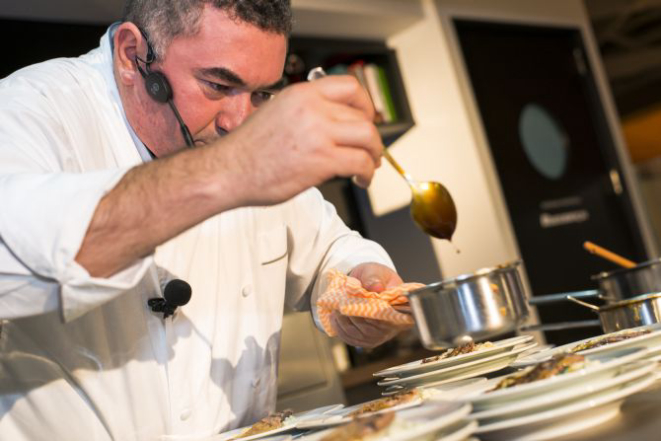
pixel 398 401
pixel 644 336
pixel 403 425
pixel 454 356
pixel 442 392
pixel 316 413
pixel 578 415
pixel 273 424
pixel 624 373
pixel 465 370
pixel 561 371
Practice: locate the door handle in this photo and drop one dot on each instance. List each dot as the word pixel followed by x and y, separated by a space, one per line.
pixel 616 182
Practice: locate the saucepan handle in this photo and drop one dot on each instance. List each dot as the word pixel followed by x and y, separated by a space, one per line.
pixel 582 303
pixel 555 298
pixel 561 326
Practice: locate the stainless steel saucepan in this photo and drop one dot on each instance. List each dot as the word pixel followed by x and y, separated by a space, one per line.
pixel 476 306
pixel 627 283
pixel 629 313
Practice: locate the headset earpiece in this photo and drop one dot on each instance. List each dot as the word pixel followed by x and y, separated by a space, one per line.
pixel 158 87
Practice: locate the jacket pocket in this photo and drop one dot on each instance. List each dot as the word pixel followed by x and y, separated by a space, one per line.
pixel 272 245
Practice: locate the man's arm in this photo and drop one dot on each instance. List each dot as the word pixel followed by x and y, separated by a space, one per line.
pixel 308 134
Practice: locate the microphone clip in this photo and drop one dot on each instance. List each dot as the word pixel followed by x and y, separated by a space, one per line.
pixel 159 304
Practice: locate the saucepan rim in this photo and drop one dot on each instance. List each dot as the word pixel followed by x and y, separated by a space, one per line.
pixel 629 302
pixel 451 283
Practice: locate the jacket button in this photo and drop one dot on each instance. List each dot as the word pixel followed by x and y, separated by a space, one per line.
pixel 246 291
pixel 185 414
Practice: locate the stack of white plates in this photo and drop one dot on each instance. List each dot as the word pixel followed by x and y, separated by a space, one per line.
pixel 562 404
pixel 502 354
pixel 650 341
pixel 436 421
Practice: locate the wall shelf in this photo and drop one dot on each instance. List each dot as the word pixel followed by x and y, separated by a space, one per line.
pixel 339 55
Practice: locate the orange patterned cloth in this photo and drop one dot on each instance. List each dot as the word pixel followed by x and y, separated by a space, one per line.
pixel 347 295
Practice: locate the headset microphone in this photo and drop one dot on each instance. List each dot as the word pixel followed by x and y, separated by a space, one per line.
pixel 158 88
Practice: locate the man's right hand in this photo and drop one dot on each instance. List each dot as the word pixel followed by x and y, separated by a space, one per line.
pixel 307 134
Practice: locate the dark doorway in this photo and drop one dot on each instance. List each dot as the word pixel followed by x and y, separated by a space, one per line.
pixel 554 155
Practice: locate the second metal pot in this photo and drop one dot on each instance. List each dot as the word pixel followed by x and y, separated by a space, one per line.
pixel 620 284
pixel 476 306
pixel 630 313
pixel 626 283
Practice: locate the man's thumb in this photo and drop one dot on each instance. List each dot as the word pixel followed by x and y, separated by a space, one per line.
pixel 373 284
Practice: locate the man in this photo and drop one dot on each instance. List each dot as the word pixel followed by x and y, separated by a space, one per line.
pixel 92 228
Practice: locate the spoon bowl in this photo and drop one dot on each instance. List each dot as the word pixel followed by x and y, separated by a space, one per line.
pixel 432 206
pixel 433 209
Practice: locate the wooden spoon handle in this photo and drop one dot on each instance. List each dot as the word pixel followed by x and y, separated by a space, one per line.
pixel 608 255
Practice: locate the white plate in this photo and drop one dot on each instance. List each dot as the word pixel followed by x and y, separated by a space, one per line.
pixel 414 423
pixel 445 392
pixel 292 421
pixel 316 413
pixel 599 366
pixel 342 416
pixel 651 340
pixel 236 432
pixel 625 373
pixel 461 371
pixel 418 367
pixel 581 414
pixel 458 432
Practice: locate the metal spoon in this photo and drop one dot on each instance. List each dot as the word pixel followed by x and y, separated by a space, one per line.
pixel 432 207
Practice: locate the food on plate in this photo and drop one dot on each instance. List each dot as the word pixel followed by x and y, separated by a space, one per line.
pixel 459 350
pixel 559 364
pixel 386 402
pixel 608 339
pixel 361 428
pixel 273 421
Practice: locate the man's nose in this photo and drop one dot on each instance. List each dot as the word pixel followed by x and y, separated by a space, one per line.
pixel 235 111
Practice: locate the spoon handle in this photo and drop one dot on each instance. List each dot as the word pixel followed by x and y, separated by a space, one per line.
pixel 396 166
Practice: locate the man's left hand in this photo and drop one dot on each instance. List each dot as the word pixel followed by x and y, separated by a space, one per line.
pixel 364 332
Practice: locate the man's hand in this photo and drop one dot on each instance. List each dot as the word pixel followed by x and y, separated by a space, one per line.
pixel 368 333
pixel 309 133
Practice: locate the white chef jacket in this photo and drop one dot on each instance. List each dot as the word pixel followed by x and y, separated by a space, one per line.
pixel 84 358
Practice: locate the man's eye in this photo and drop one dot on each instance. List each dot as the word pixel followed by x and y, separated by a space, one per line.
pixel 221 88
pixel 259 97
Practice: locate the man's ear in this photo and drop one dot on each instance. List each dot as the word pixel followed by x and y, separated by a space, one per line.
pixel 129 43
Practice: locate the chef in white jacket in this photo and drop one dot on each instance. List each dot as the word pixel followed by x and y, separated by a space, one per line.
pixel 91 227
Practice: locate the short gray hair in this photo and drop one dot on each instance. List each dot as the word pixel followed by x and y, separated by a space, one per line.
pixel 163 20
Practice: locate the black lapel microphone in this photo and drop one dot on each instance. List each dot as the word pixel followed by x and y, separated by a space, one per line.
pixel 176 293
pixel 159 89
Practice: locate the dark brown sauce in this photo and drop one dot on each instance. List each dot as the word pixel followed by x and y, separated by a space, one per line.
pixel 434 211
